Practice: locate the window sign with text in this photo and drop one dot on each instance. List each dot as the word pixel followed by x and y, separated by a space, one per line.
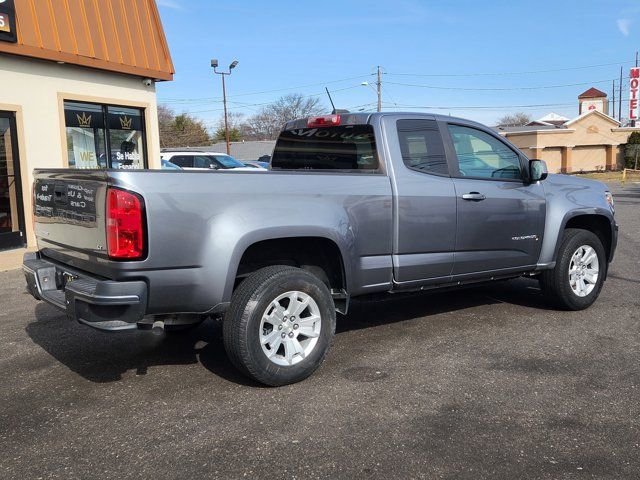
pixel 104 136
pixel 8 21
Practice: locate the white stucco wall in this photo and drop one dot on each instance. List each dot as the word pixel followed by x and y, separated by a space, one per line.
pixel 35 89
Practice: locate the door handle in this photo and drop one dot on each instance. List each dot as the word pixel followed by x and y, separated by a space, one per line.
pixel 473 196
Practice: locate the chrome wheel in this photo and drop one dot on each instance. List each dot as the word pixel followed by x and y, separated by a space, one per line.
pixel 290 328
pixel 584 270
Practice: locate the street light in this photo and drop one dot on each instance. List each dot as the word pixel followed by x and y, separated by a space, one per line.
pixel 214 65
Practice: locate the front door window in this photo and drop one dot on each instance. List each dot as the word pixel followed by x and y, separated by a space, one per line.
pixel 11 214
pixel 481 155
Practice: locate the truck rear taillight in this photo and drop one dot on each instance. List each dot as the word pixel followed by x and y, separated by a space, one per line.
pixel 324 121
pixel 125 225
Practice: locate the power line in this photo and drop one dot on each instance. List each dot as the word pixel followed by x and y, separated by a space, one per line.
pixel 269 103
pixel 529 72
pixel 209 99
pixel 498 89
pixel 485 107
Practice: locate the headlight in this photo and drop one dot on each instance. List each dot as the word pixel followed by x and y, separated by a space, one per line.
pixel 609 198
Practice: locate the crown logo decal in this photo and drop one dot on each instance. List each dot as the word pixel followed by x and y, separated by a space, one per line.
pixel 84 120
pixel 126 122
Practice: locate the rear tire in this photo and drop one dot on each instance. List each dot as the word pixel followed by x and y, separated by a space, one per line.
pixel 280 325
pixel 581 266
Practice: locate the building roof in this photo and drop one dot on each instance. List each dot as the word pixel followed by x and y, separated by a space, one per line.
pixel 553 118
pixel 592 93
pixel 115 35
pixel 593 112
pixel 531 127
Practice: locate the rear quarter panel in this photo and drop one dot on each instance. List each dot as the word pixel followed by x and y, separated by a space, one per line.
pixel 201 223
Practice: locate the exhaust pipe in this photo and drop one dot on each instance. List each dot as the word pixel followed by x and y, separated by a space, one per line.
pixel 158 327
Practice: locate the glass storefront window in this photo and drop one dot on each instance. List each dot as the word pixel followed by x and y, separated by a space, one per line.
pixel 126 137
pixel 104 136
pixel 85 135
pixel 11 214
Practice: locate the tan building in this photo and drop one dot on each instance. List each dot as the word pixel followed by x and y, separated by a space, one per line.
pixel 78 90
pixel 589 142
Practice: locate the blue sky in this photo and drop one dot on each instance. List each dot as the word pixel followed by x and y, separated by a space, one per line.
pixel 435 53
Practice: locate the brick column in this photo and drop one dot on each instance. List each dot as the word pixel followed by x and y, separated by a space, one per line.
pixel 566 166
pixel 612 163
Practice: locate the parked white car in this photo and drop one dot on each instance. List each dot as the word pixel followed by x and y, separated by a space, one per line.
pixel 190 160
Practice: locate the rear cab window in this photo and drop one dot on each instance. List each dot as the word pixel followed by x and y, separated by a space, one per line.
pixel 422 147
pixel 350 148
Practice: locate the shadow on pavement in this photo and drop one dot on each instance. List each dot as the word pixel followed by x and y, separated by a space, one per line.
pixel 104 357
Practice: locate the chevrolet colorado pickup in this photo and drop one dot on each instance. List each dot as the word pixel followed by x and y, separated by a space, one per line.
pixel 354 204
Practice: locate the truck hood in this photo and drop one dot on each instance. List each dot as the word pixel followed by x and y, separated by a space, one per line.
pixel 567 180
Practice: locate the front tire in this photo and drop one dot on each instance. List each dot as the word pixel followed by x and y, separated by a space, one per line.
pixel 581 266
pixel 280 325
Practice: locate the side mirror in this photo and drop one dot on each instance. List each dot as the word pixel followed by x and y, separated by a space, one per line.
pixel 213 166
pixel 537 170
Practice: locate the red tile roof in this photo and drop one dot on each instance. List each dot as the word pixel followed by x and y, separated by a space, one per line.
pixel 592 93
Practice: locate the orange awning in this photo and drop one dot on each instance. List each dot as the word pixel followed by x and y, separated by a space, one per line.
pixel 124 36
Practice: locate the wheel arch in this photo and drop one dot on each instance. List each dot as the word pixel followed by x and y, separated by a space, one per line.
pixel 596 222
pixel 316 250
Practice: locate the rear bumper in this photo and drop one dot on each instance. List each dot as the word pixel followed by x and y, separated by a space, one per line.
pixel 102 304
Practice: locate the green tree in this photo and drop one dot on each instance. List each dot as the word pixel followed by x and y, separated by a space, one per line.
pixel 632 151
pixel 182 130
pixel 234 134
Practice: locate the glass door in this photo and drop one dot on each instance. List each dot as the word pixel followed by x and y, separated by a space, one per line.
pixel 11 211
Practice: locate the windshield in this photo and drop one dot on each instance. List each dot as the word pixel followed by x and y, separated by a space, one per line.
pixel 227 162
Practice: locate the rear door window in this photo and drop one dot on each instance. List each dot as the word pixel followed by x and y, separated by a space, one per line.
pixel 183 161
pixel 201 161
pixel 345 148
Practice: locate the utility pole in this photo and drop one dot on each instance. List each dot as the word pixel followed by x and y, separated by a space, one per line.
pixel 620 98
pixel 379 89
pixel 234 64
pixel 613 99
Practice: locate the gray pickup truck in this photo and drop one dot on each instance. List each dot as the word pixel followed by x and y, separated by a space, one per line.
pixel 354 204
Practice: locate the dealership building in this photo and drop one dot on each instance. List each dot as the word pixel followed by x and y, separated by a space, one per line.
pixel 78 90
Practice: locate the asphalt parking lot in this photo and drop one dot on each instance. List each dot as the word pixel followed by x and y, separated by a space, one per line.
pixel 479 383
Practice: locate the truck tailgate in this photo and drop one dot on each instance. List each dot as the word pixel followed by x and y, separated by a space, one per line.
pixel 69 210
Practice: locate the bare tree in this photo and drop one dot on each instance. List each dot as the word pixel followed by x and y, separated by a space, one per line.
pixel 266 124
pixel 517 119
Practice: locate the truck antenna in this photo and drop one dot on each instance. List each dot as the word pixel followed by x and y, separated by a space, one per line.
pixel 331 100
